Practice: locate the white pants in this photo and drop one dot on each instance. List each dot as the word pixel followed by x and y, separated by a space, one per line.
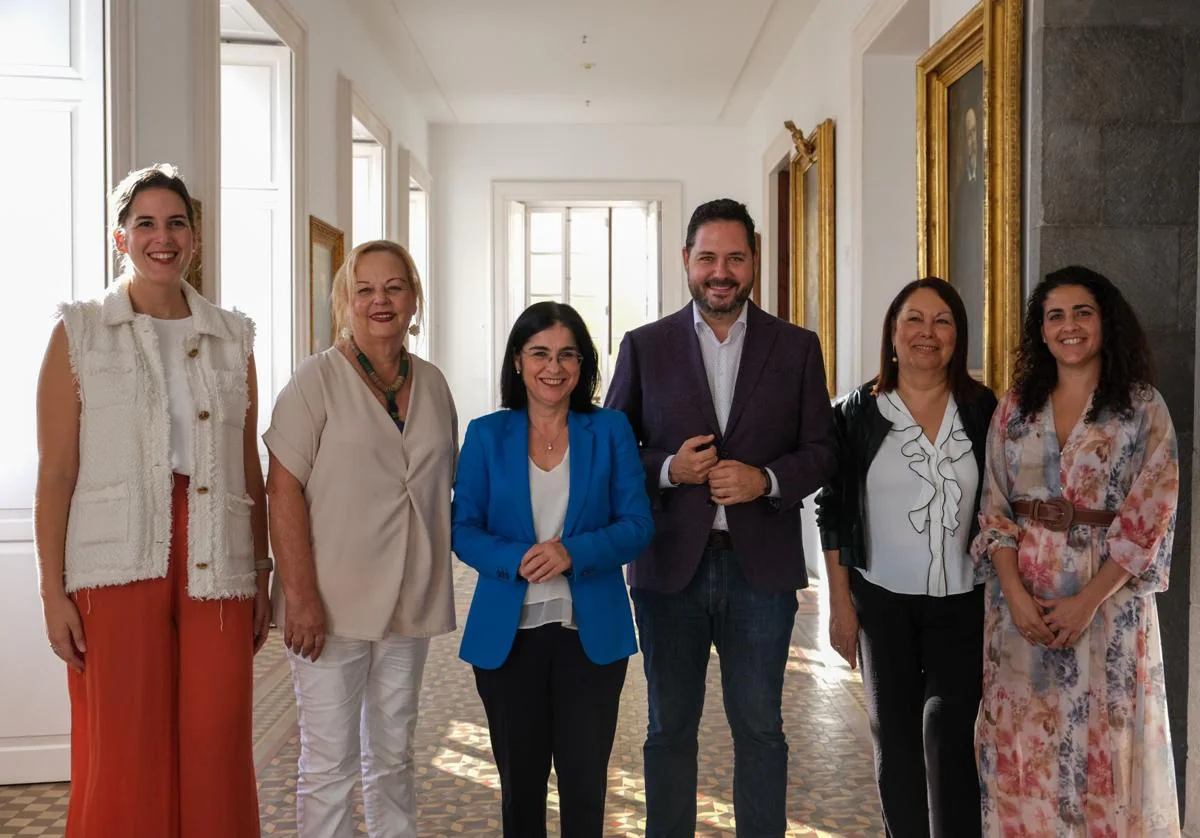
pixel 358 698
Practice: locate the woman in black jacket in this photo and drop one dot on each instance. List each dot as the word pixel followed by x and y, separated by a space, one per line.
pixel 896 526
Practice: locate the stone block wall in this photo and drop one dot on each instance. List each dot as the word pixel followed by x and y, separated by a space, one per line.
pixel 1112 147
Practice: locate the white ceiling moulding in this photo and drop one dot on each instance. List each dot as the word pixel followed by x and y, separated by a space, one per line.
pixel 508 300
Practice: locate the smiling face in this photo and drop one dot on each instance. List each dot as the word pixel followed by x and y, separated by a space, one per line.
pixel 1071 326
pixel 382 298
pixel 549 364
pixel 156 236
pixel 924 333
pixel 720 267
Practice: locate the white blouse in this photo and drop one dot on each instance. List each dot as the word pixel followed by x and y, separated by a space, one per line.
pixel 172 335
pixel 549 602
pixel 920 497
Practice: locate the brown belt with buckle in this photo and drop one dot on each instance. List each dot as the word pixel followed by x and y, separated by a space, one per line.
pixel 1058 514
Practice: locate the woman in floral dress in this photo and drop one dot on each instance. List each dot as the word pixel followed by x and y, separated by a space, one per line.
pixel 1072 735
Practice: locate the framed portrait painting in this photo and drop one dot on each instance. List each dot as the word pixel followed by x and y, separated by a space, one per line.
pixel 969 177
pixel 813 239
pixel 326 245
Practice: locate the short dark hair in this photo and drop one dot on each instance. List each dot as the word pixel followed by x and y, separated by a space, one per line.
pixel 537 318
pixel 958 376
pixel 158 176
pixel 722 209
pixel 1126 365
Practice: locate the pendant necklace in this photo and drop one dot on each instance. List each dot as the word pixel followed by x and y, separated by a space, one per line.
pixel 389 390
pixel 549 441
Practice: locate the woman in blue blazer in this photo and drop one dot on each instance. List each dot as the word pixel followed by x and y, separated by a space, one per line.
pixel 549 503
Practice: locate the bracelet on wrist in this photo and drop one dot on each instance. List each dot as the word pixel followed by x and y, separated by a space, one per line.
pixel 264 564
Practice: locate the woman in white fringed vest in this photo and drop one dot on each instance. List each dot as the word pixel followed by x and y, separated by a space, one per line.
pixel 151 536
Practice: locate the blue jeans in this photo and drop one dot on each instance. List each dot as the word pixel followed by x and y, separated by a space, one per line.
pixel 752 632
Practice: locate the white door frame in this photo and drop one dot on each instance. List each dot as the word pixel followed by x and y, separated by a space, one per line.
pixel 508 299
pixel 293 32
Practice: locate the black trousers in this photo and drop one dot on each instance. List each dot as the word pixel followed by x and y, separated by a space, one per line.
pixel 549 701
pixel 922 667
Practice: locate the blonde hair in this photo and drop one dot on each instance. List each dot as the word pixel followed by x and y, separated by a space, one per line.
pixel 340 293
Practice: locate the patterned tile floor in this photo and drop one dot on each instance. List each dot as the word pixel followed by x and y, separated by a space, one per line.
pixel 831 791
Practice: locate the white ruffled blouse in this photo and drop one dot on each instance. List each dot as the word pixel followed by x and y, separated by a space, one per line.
pixel 920 498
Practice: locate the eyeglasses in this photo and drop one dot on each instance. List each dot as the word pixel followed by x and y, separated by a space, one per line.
pixel 566 358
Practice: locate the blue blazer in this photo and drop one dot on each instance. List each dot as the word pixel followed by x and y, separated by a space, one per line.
pixel 607 524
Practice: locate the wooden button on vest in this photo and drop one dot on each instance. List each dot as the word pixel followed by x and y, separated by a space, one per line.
pixel 203 415
pixel 193 353
pixel 202 490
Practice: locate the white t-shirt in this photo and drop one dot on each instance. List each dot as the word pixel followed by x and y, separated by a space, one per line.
pixel 549 602
pixel 172 336
pixel 920 497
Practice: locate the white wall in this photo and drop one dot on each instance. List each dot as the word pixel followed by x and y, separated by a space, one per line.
pixel 855 61
pixel 167 121
pixel 709 162
pixel 812 84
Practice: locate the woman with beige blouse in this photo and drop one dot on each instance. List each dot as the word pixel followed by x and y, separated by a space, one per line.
pixel 362 442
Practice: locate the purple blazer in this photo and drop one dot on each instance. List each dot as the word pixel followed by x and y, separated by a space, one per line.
pixel 781 419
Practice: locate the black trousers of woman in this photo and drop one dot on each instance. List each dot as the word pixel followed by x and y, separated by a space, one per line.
pixel 922 667
pixel 548 701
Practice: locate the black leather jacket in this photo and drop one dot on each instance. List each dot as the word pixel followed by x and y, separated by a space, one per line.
pixel 861 429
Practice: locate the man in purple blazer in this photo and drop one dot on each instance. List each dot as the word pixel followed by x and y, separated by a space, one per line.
pixel 732 416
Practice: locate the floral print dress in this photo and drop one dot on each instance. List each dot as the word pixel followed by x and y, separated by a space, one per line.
pixel 1074 743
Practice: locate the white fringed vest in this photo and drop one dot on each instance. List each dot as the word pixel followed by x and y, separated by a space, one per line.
pixel 119 528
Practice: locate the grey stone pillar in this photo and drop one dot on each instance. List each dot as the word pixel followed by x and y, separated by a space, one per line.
pixel 1112 134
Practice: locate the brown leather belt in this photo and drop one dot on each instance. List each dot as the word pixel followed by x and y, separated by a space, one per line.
pixel 1058 514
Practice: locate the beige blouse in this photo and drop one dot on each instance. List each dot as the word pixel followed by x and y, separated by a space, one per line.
pixel 378 499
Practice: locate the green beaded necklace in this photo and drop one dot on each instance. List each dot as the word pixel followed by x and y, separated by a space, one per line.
pixel 389 391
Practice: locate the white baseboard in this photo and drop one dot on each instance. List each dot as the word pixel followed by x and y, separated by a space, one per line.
pixel 35 759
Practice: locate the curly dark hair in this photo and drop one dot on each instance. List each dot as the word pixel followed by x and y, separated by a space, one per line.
pixel 1126 365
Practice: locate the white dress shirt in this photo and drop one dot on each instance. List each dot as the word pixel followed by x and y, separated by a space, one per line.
pixel 920 497
pixel 722 359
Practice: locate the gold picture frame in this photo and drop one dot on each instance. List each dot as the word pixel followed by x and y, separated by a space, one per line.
pixel 326 251
pixel 195 272
pixel 814 239
pixel 969 177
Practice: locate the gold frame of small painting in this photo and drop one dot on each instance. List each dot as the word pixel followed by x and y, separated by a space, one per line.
pixel 326 252
pixel 813 227
pixel 969 177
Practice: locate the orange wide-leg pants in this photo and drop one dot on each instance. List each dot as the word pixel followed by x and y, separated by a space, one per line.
pixel 161 716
